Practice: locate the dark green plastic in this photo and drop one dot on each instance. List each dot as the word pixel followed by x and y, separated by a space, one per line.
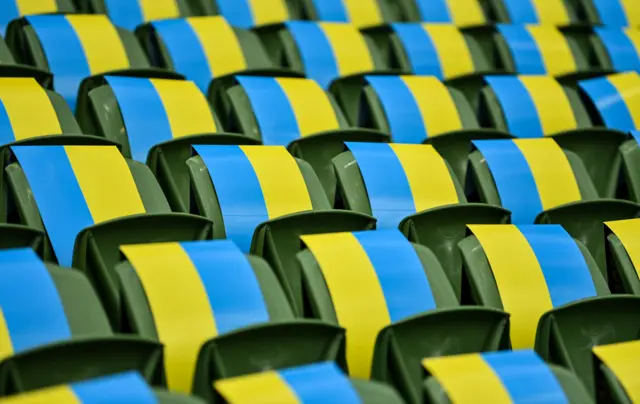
pixel 400 347
pixel 96 249
pixel 574 390
pixel 583 219
pixel 439 229
pixel 596 146
pixel 284 341
pixel 565 331
pixel 454 146
pixel 277 240
pixel 93 350
pixel 630 153
pixel 317 149
pixel 501 15
pixel 389 10
pixel 622 274
pixel 608 387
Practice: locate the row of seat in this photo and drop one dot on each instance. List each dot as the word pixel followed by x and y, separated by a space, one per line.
pixel 364 13
pixel 391 297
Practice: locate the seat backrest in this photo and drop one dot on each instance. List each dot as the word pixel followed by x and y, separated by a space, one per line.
pixel 616 100
pixel 283 109
pixel 75 47
pixel 628 232
pixel 461 13
pixel 622 360
pixel 531 106
pixel 42 305
pixel 622 46
pixel 320 382
pixel 540 50
pixel 121 387
pixel 373 279
pixel 493 377
pixel 361 13
pixel 76 187
pixel 192 47
pixel 13 9
pixel 28 110
pixel 196 291
pixel 254 184
pixel 542 12
pixel 394 181
pixel 533 269
pixel 533 175
pixel 172 109
pixel 253 13
pixel 416 108
pixel 329 51
pixel 439 50
pixel 618 13
pixel 130 14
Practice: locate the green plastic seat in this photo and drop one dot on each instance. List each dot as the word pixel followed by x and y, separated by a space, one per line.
pixel 533 49
pixel 617 372
pixel 432 212
pixel 322 382
pixel 9 68
pixel 264 199
pixel 190 46
pixel 622 242
pixel 415 109
pixel 461 13
pixel 298 114
pixel 90 200
pixel 176 115
pixel 18 95
pixel 538 106
pixel 55 330
pixel 120 387
pixel 364 14
pixel 614 48
pixel 76 48
pixel 214 326
pixel 249 15
pixel 559 13
pixel 15 9
pixel 396 304
pixel 336 55
pixel 612 13
pixel 130 15
pixel 551 286
pixel 539 182
pixel 494 377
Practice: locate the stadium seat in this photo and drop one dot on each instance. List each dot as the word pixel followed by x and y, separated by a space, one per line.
pixel 296 113
pixel 461 13
pixel 387 181
pixel 539 106
pixel 127 387
pixel 613 13
pixel 617 372
pixel 509 377
pixel 9 67
pixel 623 255
pixel 90 200
pixel 363 14
pixel 539 182
pixel 76 47
pixel 14 9
pixel 335 55
pixel 249 14
pixel 548 282
pixel 395 303
pixel 415 109
pixel 541 50
pixel 318 383
pixel 264 199
pixel 617 49
pixel 176 115
pixel 559 13
pixel 130 14
pixel 191 46
pixel 217 312
pixel 54 329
